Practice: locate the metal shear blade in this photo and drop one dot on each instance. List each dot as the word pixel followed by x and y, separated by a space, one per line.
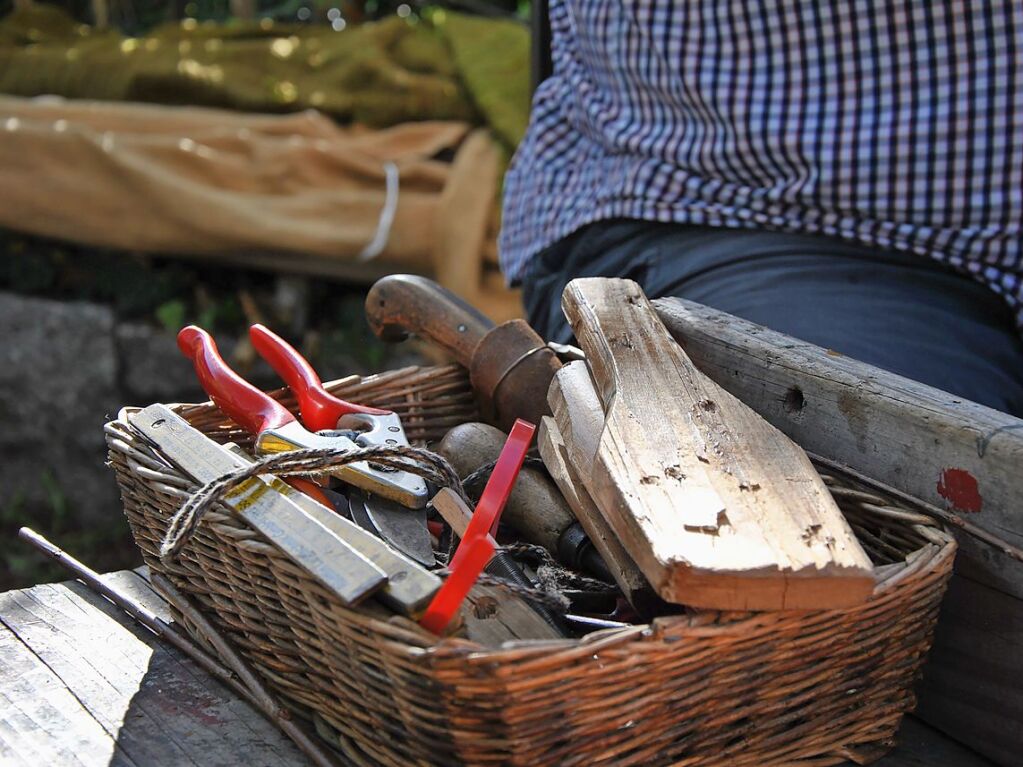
pixel 403 528
pixel 403 487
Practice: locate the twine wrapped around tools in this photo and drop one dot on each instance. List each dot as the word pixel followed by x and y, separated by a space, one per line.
pixel 317 462
pixel 703 688
pixel 312 462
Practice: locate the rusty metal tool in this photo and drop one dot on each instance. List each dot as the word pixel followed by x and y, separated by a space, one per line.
pixel 509 365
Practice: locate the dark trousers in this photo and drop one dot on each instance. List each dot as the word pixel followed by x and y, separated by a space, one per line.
pixel 898 311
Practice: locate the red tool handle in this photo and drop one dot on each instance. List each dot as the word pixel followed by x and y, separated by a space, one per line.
pixel 320 409
pixel 449 598
pixel 477 546
pixel 244 403
pixel 499 486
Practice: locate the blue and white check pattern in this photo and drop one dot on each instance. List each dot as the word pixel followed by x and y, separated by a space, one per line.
pixel 895 123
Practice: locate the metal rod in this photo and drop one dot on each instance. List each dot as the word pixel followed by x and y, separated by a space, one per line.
pixel 142 615
pixel 264 699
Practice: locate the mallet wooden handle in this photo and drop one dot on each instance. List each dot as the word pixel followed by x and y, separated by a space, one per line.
pixel 400 305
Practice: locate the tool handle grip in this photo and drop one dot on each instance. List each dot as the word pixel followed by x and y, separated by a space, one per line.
pixel 252 409
pixel 445 603
pixel 320 409
pixel 400 305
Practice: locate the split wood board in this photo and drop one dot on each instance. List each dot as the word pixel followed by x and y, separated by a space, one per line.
pixel 557 458
pixel 717 508
pixel 924 442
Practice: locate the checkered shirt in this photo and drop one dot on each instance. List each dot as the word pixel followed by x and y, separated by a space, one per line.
pixel 894 123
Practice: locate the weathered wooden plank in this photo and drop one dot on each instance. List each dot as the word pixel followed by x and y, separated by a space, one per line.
pixel 935 446
pixel 973 682
pixel 925 442
pixel 556 458
pixel 97 661
pixel 244 727
pixel 717 508
pixel 154 705
pixel 920 745
pixel 41 720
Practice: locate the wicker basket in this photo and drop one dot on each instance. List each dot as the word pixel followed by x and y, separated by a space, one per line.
pixel 706 688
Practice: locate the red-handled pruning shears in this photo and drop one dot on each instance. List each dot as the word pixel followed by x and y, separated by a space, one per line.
pixel 277 430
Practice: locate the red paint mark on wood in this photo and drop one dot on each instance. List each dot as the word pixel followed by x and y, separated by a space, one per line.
pixel 959 487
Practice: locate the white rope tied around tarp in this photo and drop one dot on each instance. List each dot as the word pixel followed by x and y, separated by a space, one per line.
pixel 379 242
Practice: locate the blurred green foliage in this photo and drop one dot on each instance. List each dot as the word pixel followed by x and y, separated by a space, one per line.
pixel 139 16
pixel 103 549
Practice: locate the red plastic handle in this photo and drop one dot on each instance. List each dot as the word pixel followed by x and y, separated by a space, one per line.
pixel 477 546
pixel 244 403
pixel 449 598
pixel 320 409
pixel 499 486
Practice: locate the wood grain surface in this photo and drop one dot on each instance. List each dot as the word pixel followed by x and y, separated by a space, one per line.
pixel 83 685
pixel 933 445
pixel 937 447
pixel 717 507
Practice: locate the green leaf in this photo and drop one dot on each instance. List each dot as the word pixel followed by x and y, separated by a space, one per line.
pixel 171 315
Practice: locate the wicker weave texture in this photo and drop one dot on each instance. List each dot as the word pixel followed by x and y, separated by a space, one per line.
pixel 704 688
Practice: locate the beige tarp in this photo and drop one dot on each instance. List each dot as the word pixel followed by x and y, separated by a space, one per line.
pixel 244 187
pixel 188 180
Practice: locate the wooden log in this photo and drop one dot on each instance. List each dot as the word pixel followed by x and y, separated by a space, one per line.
pixel 717 507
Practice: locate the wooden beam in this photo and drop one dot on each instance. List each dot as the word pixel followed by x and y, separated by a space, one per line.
pixel 717 508
pixel 973 681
